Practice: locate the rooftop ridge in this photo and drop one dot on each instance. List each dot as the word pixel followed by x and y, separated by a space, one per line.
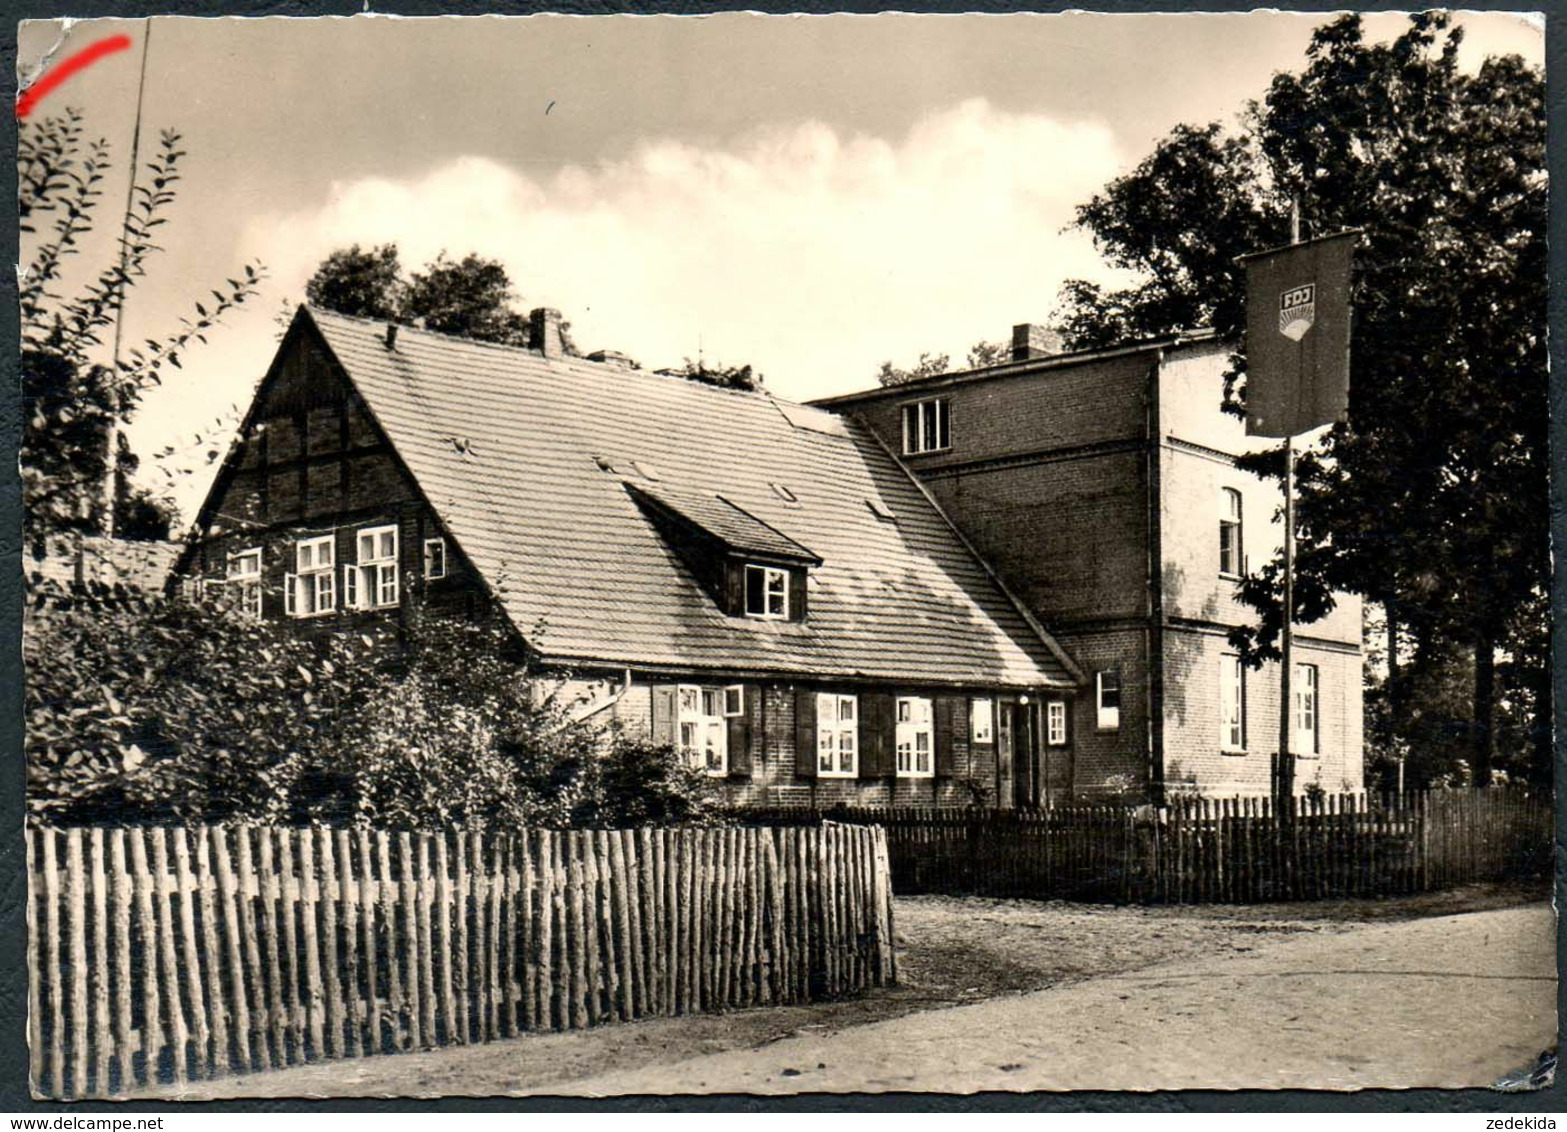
pixel 505 348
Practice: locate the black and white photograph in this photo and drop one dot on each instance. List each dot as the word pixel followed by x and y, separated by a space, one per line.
pixel 688 555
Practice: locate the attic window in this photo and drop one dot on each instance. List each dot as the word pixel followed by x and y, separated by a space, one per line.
pixel 880 509
pixel 646 470
pixel 782 492
pixel 925 427
pixel 767 592
pixel 605 464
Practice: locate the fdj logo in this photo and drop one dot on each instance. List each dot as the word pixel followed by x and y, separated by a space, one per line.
pixel 1297 311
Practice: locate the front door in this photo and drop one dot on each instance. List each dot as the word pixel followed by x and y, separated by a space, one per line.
pixel 1025 759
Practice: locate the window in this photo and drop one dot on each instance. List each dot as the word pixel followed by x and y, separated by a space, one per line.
pixel 982 717
pixel 1303 690
pixel 704 735
pixel 1107 692
pixel 734 700
pixel 766 592
pixel 435 558
pixel 312 588
pixel 244 581
pixel 925 426
pixel 1055 723
pixel 914 739
pixel 1232 704
pixel 837 736
pixel 377 582
pixel 1231 561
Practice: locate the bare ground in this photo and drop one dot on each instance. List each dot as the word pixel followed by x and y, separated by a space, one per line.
pixel 952 951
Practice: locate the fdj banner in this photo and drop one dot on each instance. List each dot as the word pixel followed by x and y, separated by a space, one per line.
pixel 1297 335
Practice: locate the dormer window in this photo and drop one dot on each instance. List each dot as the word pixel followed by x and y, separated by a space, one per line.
pixel 767 592
pixel 925 427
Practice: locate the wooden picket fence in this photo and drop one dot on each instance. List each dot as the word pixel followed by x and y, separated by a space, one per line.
pixel 167 955
pixel 1231 850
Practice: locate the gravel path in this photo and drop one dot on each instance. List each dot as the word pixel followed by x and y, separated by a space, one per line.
pixel 962 954
pixel 1447 1002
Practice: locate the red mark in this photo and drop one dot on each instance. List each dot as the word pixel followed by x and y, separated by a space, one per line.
pixel 65 68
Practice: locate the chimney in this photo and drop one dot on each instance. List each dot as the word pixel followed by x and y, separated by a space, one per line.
pixel 391 336
pixel 544 332
pixel 1030 340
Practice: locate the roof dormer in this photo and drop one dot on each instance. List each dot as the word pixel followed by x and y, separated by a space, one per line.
pixel 748 567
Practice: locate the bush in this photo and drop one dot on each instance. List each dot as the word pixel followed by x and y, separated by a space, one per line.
pixel 156 711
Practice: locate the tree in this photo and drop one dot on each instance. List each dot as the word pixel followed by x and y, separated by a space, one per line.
pixel 472 297
pixel 1431 500
pixel 980 355
pixel 366 284
pixel 725 377
pixel 77 389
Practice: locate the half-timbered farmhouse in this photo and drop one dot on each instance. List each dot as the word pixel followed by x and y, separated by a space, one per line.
pixel 763 583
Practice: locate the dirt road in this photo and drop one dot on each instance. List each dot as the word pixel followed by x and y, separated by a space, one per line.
pixel 1056 974
pixel 1450 1001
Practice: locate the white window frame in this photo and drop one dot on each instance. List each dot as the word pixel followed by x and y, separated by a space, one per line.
pixel 914 719
pixel 1055 723
pixel 431 571
pixel 311 590
pixel 378 582
pixel 246 583
pixel 1306 718
pixel 837 735
pixel 1107 717
pixel 982 721
pixel 1232 525
pixel 1232 705
pixel 701 730
pixel 770 574
pixel 734 701
pixel 927 426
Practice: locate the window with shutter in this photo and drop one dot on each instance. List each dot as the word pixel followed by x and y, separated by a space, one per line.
pixel 914 738
pixel 377 557
pixel 703 731
pixel 837 735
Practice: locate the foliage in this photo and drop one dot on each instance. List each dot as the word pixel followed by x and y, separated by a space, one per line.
pixel 366 284
pixel 980 355
pixel 158 711
pixel 76 390
pixel 725 377
pixel 984 354
pixel 1432 499
pixel 472 297
pixel 928 365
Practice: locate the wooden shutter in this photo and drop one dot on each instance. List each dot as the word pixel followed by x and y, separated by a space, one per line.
pixel 740 734
pixel 876 727
pixel 805 732
pixel 947 717
pixel 797 593
pixel 664 708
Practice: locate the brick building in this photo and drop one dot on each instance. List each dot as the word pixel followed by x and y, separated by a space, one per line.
pixel 1102 488
pixel 763 583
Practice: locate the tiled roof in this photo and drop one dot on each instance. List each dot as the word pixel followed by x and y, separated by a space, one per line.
pixel 729 524
pixel 525 460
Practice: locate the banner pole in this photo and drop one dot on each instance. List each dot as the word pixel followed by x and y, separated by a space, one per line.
pixel 1284 773
pixel 1285 785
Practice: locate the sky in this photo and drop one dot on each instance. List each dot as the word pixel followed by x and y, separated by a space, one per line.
pixel 810 195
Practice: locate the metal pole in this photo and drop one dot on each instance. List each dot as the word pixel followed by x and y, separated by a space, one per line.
pixel 1284 769
pixel 1286 764
pixel 112 432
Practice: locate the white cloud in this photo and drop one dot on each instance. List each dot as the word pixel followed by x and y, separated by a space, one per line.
pixel 806 254
pixel 810 255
